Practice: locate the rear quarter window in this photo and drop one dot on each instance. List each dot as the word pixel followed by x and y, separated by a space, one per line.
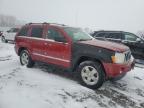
pixel 23 31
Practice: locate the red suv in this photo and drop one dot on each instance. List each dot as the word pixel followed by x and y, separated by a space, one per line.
pixel 94 61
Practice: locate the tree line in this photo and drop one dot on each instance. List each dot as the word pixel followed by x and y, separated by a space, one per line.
pixel 8 21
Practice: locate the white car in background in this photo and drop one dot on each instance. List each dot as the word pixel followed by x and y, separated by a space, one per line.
pixel 9 35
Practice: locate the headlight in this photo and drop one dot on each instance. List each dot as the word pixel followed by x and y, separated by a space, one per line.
pixel 132 58
pixel 118 58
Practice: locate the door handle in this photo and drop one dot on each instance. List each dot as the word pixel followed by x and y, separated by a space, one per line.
pixel 123 41
pixel 47 44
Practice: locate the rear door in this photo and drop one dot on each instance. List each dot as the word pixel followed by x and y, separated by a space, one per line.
pixel 36 41
pixel 57 47
pixel 115 37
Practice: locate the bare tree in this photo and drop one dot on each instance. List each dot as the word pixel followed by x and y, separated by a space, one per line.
pixel 141 34
pixel 6 20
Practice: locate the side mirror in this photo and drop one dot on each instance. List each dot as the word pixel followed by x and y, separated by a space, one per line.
pixel 138 40
pixel 124 41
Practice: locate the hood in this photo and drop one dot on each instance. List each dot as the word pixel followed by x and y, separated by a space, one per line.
pixel 106 44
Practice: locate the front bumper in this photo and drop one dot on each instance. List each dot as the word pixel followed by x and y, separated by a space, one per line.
pixel 114 70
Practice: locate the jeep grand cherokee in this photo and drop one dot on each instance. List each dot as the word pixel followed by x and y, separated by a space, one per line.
pixel 93 61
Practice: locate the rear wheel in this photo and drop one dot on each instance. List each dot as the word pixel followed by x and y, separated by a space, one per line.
pixel 25 59
pixel 91 74
pixel 6 41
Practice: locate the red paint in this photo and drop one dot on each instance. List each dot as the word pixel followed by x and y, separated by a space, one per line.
pixel 46 48
pixel 106 44
pixel 113 70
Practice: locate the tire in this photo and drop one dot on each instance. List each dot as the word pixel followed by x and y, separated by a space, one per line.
pixel 91 74
pixel 3 39
pixel 6 41
pixel 25 59
pixel 118 77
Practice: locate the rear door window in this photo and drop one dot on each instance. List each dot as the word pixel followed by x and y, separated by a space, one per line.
pixel 37 32
pixel 114 36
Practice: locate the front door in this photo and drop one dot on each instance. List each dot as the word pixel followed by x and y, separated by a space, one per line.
pixel 136 45
pixel 57 47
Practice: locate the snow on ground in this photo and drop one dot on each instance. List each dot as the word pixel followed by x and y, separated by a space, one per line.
pixel 44 86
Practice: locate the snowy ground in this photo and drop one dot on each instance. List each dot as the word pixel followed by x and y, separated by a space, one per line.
pixel 45 87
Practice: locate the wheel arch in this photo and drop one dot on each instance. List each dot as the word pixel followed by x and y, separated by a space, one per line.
pixel 86 58
pixel 21 49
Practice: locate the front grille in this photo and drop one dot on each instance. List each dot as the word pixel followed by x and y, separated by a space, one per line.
pixel 127 56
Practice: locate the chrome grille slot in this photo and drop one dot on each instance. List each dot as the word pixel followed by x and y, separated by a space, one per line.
pixel 127 56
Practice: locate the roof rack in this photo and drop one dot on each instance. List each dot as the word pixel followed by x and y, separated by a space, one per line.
pixel 46 23
pixel 58 24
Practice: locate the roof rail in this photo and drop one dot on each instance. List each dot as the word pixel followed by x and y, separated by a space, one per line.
pixel 36 23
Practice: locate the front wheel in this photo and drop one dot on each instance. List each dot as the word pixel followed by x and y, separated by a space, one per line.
pixel 91 74
pixel 25 59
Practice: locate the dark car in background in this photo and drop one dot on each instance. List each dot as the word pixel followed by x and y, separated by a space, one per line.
pixel 135 43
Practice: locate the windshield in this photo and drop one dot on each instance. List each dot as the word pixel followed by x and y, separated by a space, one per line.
pixel 77 34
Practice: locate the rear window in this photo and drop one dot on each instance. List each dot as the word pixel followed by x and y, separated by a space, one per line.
pixel 37 32
pixel 23 32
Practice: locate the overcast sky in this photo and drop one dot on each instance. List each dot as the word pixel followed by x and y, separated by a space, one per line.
pixel 125 15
